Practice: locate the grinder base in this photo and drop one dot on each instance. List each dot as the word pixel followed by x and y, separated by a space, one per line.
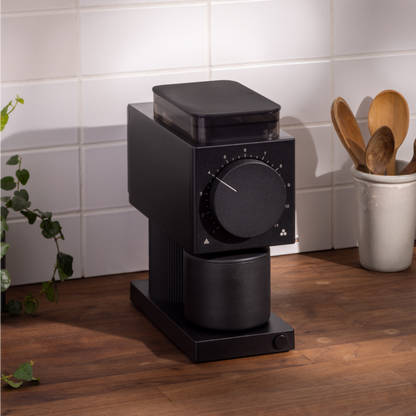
pixel 202 345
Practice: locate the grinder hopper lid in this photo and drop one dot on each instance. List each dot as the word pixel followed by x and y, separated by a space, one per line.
pixel 215 99
pixel 216 110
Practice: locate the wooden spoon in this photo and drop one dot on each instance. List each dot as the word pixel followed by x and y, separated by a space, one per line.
pixel 389 108
pixel 411 167
pixel 346 125
pixel 380 150
pixel 359 153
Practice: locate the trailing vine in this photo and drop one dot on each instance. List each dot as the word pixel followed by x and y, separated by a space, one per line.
pixel 19 202
pixel 24 372
pixel 50 229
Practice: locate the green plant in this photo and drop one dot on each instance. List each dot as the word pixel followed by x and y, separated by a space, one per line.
pixel 5 112
pixel 19 202
pixel 24 372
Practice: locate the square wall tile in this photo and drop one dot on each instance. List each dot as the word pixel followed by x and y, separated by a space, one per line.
pixel 44 48
pixel 24 5
pixel 105 176
pixel 312 156
pixel 31 257
pixel 54 179
pixel 105 101
pixel 264 31
pixel 302 89
pixel 358 81
pixel 345 224
pixel 128 40
pixel 116 242
pixel 313 223
pixel 374 26
pixel 49 116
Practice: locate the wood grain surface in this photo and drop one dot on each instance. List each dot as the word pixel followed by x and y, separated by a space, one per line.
pixel 390 108
pixel 96 354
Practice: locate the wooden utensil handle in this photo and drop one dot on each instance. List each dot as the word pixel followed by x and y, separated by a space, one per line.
pixel 409 169
pixel 391 167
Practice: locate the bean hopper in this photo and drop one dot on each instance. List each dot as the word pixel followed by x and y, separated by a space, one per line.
pixel 209 168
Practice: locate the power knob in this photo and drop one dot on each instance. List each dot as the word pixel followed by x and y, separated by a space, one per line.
pixel 247 198
pixel 280 342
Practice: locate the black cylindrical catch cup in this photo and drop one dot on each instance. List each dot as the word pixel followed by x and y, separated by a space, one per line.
pixel 227 291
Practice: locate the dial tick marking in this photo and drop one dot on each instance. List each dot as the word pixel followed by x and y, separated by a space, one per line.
pixel 226 184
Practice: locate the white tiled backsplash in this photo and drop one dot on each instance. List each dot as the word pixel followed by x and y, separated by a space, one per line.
pixel 78 63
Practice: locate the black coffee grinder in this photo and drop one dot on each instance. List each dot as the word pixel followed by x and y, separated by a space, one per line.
pixel 209 168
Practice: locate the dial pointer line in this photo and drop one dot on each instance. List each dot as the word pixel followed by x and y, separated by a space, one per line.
pixel 226 184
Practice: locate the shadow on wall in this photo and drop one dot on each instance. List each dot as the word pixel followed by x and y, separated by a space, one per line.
pixel 307 158
pixel 22 140
pixel 362 113
pixel 313 183
pixel 364 108
pixel 55 138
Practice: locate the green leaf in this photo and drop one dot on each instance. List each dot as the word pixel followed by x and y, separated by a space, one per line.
pixel 8 183
pixel 3 226
pixel 13 384
pixel 14 307
pixel 24 372
pixel 44 215
pixel 64 266
pixel 20 100
pixel 14 160
pixel 4 248
pixel 4 111
pixel 20 200
pixel 5 198
pixel 23 193
pixel 23 176
pixel 30 304
pixel 5 279
pixel 4 213
pixel 31 216
pixel 3 121
pixel 50 228
pixel 49 291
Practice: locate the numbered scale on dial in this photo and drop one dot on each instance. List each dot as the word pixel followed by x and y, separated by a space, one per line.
pixel 245 197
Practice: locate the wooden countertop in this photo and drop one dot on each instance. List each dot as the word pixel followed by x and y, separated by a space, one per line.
pixel 96 354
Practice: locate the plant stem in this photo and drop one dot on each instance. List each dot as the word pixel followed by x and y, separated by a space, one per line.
pixel 50 281
pixel 20 165
pixel 13 107
pixel 57 246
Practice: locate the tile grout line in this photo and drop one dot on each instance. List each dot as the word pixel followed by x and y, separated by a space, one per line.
pixel 100 8
pixel 209 49
pixel 282 62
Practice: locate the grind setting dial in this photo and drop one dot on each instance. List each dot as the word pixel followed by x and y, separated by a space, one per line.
pixel 247 197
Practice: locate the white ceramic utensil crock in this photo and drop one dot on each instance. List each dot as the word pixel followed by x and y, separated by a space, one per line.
pixel 386 219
